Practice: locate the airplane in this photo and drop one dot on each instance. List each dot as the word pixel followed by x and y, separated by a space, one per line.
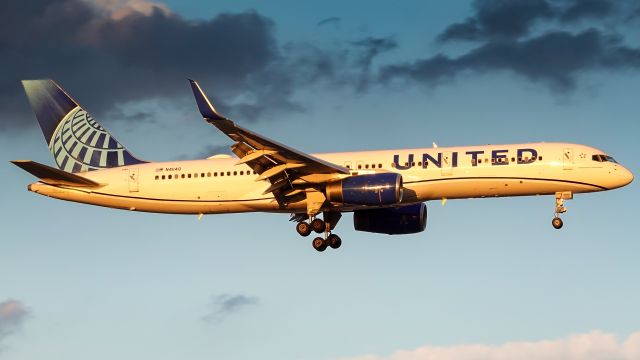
pixel 385 189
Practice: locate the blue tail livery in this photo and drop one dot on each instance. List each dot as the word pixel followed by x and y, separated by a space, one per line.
pixel 78 142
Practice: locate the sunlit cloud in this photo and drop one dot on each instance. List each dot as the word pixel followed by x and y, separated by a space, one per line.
pixel 596 345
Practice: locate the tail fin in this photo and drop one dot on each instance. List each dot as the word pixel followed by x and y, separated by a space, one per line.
pixel 78 143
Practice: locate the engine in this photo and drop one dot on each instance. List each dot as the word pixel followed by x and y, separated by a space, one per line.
pixel 371 189
pixel 408 219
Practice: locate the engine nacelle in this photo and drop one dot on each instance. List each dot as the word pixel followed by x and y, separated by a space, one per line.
pixel 408 219
pixel 371 189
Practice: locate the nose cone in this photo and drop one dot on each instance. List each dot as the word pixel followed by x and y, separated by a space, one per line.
pixel 624 176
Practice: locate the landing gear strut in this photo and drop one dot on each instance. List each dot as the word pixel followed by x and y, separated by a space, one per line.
pixel 560 208
pixel 321 226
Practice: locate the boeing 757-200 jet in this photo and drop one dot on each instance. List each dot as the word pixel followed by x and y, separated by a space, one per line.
pixel 385 189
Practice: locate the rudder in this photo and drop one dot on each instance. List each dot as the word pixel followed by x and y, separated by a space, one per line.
pixel 78 142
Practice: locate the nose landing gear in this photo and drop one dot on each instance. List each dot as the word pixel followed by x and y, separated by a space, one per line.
pixel 560 208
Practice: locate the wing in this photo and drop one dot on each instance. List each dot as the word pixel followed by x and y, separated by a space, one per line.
pixel 288 170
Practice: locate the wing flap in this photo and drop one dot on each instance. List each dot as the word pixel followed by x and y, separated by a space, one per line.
pixel 53 176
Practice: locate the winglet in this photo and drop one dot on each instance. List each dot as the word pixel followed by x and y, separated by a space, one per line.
pixel 204 105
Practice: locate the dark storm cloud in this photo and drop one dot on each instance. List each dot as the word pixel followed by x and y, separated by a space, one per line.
pixel 12 315
pixel 505 19
pixel 104 60
pixel 554 58
pixel 222 306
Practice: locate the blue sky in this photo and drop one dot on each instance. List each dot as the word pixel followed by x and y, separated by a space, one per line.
pixel 78 281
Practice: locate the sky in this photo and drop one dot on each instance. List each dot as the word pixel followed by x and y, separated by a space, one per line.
pixel 489 279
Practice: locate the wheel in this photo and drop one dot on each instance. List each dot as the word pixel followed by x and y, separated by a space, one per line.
pixel 303 228
pixel 318 225
pixel 556 222
pixel 319 244
pixel 334 241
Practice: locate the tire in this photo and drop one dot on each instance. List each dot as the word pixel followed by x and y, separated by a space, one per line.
pixel 319 244
pixel 334 241
pixel 318 225
pixel 303 228
pixel 557 223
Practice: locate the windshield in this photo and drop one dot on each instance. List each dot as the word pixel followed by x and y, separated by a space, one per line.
pixel 603 158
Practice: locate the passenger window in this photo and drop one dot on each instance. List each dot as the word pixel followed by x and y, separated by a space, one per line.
pixel 479 161
pixel 182 176
pixel 241 172
pixel 208 174
pixel 162 177
pixel 235 173
pixel 157 177
pixel 228 173
pixel 189 176
pixel 513 159
pixel 169 177
pixel 366 166
pixel 380 166
pixel 540 158
pixel 221 173
pixel 359 166
pixel 195 175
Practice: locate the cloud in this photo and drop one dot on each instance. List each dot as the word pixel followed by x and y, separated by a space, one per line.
pixel 206 152
pixel 539 40
pixel 113 51
pixel 498 19
pixel 225 305
pixel 333 20
pixel 595 345
pixel 502 19
pixel 582 9
pixel 118 9
pixel 554 58
pixel 369 48
pixel 12 315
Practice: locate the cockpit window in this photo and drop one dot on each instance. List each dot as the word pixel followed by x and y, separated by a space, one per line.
pixel 603 158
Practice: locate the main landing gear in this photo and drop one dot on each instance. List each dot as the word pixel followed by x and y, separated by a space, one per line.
pixel 560 208
pixel 321 226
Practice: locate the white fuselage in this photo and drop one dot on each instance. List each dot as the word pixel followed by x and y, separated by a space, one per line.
pixel 218 185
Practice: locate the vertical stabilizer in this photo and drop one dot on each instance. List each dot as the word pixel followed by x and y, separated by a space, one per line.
pixel 78 142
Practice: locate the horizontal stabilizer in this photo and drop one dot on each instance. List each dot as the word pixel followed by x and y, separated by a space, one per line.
pixel 204 105
pixel 53 176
